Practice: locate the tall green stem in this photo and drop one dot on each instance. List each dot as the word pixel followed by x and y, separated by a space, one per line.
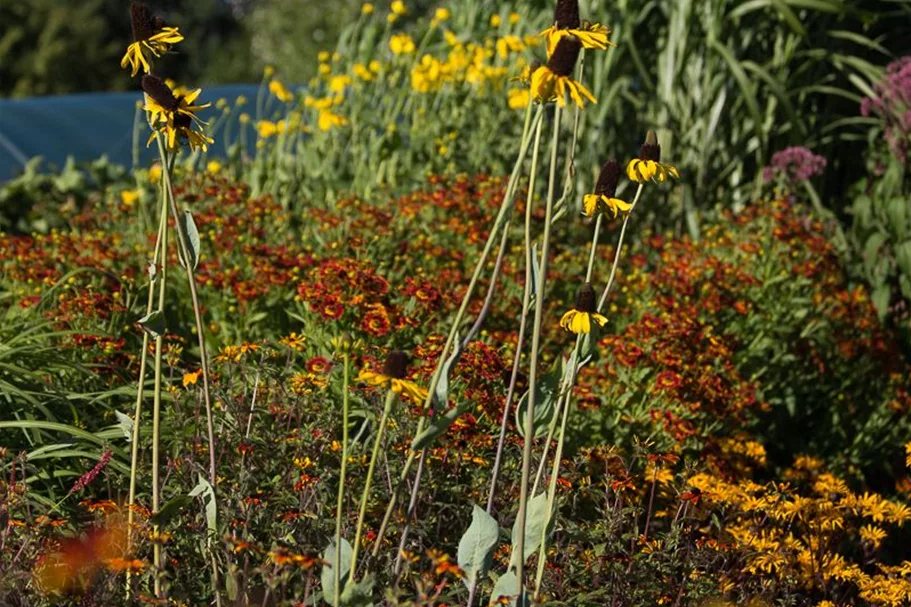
pixel 390 399
pixel 156 402
pixel 341 481
pixel 613 270
pixel 533 371
pixel 500 220
pixel 140 388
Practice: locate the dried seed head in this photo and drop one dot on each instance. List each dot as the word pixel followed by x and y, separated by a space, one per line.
pixel 563 60
pixel 144 24
pixel 396 365
pixel 650 150
pixel 608 178
pixel 156 88
pixel 566 15
pixel 585 299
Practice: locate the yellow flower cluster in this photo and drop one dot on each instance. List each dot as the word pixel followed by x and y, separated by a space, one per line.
pixel 470 63
pixel 804 535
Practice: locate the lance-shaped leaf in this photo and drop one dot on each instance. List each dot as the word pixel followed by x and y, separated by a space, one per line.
pixel 192 240
pixel 438 426
pixel 125 423
pixel 477 545
pixel 536 518
pixel 204 489
pixel 153 323
pixel 507 586
pixel 327 575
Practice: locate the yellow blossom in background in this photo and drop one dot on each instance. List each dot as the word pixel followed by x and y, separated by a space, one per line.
pixel 514 18
pixel 329 120
pixel 367 8
pixel 872 534
pixel 495 20
pixel 518 98
pixel 129 197
pixel 375 66
pixel 362 72
pixel 908 455
pixel 268 71
pixel 427 75
pixel 278 89
pixel 398 7
pixel 267 128
pixel 155 173
pixel 509 44
pixel 337 84
pixel 190 379
pixel 213 167
pixel 442 14
pixel 323 56
pixel 401 44
pixel 244 118
pixel 324 69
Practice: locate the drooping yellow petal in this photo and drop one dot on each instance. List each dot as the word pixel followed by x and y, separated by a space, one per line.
pixel 589 204
pixel 567 320
pixel 581 323
pixel 601 320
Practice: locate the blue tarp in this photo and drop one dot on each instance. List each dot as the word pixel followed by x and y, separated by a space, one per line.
pixel 84 126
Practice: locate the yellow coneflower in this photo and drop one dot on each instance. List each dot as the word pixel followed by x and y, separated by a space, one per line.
pixel 392 377
pixel 150 37
pixel 648 166
pixel 579 319
pixel 552 81
pixel 328 120
pixel 174 116
pixel 567 23
pixel 602 198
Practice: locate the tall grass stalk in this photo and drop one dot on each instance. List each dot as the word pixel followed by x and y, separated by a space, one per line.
pixel 341 480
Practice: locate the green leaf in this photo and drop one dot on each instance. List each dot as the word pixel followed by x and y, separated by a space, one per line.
pixel 327 575
pixel 153 323
pixel 171 509
pixel 477 545
pixel 903 255
pixel 506 586
pixel 205 489
pixel 880 298
pixel 536 518
pixel 441 392
pixel 125 423
pixel 358 594
pixel 438 426
pixel 545 401
pixel 897 211
pixel 871 250
pixel 192 234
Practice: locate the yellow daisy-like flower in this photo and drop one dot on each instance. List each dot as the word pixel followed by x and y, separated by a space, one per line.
pixel 551 82
pixel 602 199
pixel 648 166
pixel 568 23
pixel 392 377
pixel 151 39
pixel 328 120
pixel 280 91
pixel 401 44
pixel 173 117
pixel 398 7
pixel 518 98
pixel 579 319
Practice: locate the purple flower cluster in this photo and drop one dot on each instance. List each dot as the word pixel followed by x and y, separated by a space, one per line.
pixel 89 476
pixel 893 105
pixel 793 165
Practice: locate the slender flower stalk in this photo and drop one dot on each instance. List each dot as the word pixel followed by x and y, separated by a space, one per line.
pixel 346 362
pixel 505 206
pixel 362 511
pixel 156 402
pixel 613 270
pixel 533 368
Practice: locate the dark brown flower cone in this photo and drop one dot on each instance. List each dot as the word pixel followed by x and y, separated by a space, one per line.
pixel 609 178
pixel 585 299
pixel 650 150
pixel 566 15
pixel 144 23
pixel 156 88
pixel 396 365
pixel 564 58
